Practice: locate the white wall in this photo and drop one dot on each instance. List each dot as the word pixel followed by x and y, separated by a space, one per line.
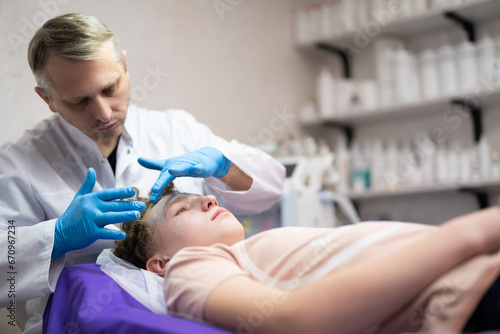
pixel 231 69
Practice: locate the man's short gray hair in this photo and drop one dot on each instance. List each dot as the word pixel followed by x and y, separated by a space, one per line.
pixel 75 36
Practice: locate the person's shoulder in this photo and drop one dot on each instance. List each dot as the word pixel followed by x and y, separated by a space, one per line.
pixel 31 136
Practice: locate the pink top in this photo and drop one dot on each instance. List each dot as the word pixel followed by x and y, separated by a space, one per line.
pixel 287 258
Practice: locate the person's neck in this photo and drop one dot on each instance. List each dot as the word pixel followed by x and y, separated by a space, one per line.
pixel 108 146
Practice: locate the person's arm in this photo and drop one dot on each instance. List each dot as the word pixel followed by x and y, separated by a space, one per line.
pixel 360 296
pixel 237 179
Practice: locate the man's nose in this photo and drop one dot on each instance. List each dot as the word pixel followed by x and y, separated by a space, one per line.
pixel 102 110
pixel 209 201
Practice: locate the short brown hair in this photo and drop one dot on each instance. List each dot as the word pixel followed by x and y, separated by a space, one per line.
pixel 75 36
pixel 141 241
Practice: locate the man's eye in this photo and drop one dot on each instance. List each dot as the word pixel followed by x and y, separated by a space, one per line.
pixel 81 103
pixel 109 91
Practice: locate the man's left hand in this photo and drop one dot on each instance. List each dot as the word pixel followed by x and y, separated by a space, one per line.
pixel 205 162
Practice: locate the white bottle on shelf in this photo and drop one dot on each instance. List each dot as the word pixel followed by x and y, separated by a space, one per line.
pixel 362 13
pixel 349 9
pixel 429 80
pixel 448 78
pixel 406 9
pixel 486 58
pixel 496 65
pixel 377 165
pixel 467 66
pixel 466 173
pixel 342 163
pixel 442 165
pixel 420 6
pixel 405 84
pixel 325 90
pixel 425 150
pixel 454 162
pixel 326 22
pixel 344 91
pixel 484 158
pixel 391 175
pixel 358 169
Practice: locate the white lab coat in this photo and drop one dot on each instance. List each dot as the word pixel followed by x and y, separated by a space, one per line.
pixel 40 174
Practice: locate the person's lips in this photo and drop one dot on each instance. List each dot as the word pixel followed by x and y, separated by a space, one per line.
pixel 107 126
pixel 218 212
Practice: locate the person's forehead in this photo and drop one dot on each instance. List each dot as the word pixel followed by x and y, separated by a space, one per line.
pixel 174 198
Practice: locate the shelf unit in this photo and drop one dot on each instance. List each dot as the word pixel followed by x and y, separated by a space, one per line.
pixel 465 15
pixel 478 188
pixel 435 19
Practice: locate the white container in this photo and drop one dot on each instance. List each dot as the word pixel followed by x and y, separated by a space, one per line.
pixel 406 9
pixel 366 92
pixel 380 12
pixel 377 165
pixel 342 162
pixel 486 58
pixel 484 158
pixel 349 9
pixel 434 4
pixel 405 78
pixel 420 6
pixel 391 174
pixel 326 22
pixel 325 90
pixel 384 52
pixel 496 66
pixel 362 13
pixel 448 78
pixel 466 165
pixel 429 80
pixel 425 149
pixel 344 96
pixel 467 66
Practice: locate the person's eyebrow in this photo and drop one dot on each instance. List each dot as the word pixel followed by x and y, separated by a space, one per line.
pixel 174 199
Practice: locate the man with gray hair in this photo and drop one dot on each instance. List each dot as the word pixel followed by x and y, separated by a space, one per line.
pixel 62 181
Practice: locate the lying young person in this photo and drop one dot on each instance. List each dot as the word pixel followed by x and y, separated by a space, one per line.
pixel 385 277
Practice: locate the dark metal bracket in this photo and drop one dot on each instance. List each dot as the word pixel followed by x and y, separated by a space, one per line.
pixel 467 25
pixel 481 197
pixel 475 111
pixel 344 57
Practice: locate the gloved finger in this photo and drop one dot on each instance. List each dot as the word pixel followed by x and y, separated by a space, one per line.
pixel 106 233
pixel 88 183
pixel 163 181
pixel 117 217
pixel 151 163
pixel 182 169
pixel 120 206
pixel 114 193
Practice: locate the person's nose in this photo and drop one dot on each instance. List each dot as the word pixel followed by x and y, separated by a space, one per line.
pixel 102 110
pixel 208 202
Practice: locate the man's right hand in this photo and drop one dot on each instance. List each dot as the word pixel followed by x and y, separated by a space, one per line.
pixel 84 220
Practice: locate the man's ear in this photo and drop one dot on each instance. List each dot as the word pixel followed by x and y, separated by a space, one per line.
pixel 157 264
pixel 44 97
pixel 124 57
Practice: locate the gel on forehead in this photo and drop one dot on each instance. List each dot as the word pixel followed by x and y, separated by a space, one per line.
pixel 159 210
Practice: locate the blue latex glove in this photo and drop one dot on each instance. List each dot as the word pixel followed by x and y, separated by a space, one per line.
pixel 84 220
pixel 205 162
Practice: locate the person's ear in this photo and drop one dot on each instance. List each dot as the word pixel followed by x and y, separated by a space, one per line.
pixel 157 264
pixel 44 97
pixel 124 58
